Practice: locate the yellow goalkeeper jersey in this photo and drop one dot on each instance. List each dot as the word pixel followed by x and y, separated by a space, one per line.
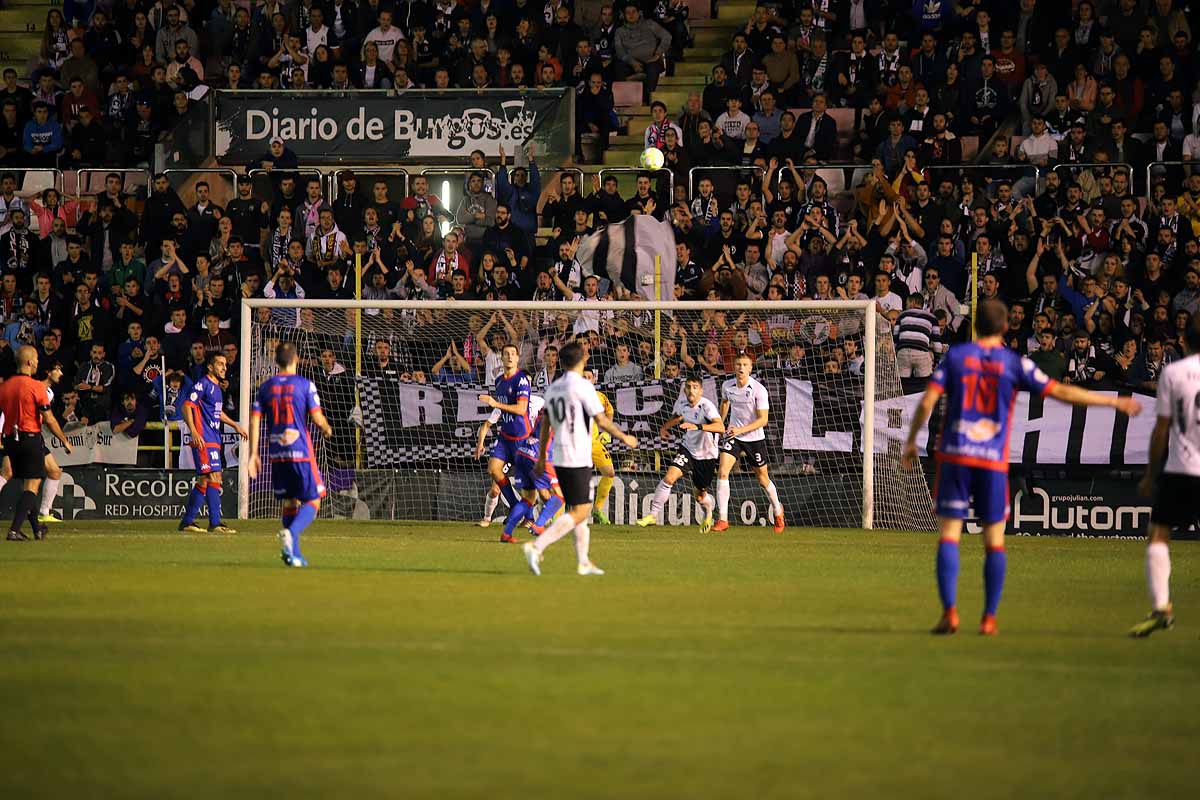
pixel 608 411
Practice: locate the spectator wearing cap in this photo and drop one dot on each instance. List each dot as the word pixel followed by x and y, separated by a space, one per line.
pixel 278 159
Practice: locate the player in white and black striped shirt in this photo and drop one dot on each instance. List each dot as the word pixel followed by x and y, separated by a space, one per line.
pixel 917 337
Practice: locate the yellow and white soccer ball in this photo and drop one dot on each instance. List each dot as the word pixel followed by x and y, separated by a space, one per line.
pixel 652 158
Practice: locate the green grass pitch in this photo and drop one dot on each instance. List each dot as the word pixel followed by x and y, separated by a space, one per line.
pixel 421 660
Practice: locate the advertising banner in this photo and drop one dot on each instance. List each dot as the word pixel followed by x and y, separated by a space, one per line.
pixel 115 492
pixel 421 126
pixel 93 444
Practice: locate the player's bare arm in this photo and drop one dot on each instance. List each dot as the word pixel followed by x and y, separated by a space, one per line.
pixel 233 423
pixel 665 431
pixel 759 421
pixel 482 438
pixel 543 445
pixel 519 407
pixel 1083 397
pixel 605 423
pixel 191 415
pixel 50 422
pixel 1158 455
pixel 318 418
pixel 714 425
pixel 910 457
pixel 254 463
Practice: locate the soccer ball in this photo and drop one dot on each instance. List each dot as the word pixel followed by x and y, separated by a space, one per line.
pixel 652 158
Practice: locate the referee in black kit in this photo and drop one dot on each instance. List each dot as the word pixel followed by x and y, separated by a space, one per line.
pixel 25 403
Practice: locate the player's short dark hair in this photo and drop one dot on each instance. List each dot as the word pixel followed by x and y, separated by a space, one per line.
pixel 694 379
pixel 571 355
pixel 213 356
pixel 991 318
pixel 516 349
pixel 285 353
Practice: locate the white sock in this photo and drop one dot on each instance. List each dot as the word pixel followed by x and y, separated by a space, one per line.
pixel 48 495
pixel 660 498
pixel 1158 574
pixel 558 529
pixel 3 482
pixel 723 497
pixel 583 537
pixel 773 496
pixel 489 505
pixel 706 500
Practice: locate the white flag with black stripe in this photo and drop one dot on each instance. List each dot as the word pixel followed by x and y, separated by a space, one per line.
pixel 624 253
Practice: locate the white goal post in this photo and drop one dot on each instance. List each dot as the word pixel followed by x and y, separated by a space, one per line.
pixel 796 338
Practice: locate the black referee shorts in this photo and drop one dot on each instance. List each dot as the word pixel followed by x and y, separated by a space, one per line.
pixel 27 454
pixel 1175 500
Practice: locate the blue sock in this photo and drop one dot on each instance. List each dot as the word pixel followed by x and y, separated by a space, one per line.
pixel 301 520
pixel 947 572
pixel 549 510
pixel 195 500
pixel 509 494
pixel 994 565
pixel 518 512
pixel 213 495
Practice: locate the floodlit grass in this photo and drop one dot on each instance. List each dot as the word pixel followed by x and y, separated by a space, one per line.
pixel 423 660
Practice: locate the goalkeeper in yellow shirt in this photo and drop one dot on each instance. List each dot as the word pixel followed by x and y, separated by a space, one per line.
pixel 601 460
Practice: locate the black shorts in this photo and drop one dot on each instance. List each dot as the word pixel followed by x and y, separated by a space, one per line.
pixel 27 454
pixel 701 470
pixel 755 452
pixel 576 485
pixel 1175 500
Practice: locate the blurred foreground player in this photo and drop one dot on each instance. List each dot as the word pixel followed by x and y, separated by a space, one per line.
pixel 25 403
pixel 285 403
pixel 980 380
pixel 1172 475
pixel 571 405
pixel 203 415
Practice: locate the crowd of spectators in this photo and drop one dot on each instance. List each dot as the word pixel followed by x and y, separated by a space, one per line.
pixel 1094 246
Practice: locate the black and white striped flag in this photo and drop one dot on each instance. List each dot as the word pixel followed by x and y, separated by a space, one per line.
pixel 624 253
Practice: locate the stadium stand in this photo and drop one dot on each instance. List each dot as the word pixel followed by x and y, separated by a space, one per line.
pixel 877 144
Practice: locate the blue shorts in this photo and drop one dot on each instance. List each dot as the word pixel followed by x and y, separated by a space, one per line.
pixel 506 449
pixel 956 486
pixel 297 480
pixel 522 476
pixel 207 458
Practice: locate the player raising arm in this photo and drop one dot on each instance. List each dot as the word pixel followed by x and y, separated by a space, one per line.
pixel 700 421
pixel 203 414
pixel 571 403
pixel 745 401
pixel 1172 475
pixel 980 380
pixel 286 402
pixel 512 400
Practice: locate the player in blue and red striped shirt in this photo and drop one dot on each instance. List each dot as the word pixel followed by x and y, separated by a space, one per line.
pixel 203 415
pixel 285 403
pixel 512 399
pixel 980 380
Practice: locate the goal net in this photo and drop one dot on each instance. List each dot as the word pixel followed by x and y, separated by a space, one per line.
pixel 400 382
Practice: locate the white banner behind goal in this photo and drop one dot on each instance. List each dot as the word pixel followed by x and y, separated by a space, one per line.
pixel 400 382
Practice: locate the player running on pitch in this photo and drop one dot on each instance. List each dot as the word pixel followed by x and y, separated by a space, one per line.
pixel 512 399
pixel 285 403
pixel 1175 484
pixel 697 455
pixel 531 486
pixel 601 459
pixel 745 402
pixel 571 405
pixel 203 415
pixel 980 380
